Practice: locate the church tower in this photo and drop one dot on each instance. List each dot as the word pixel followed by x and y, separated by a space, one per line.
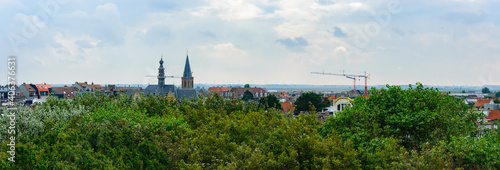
pixel 187 78
pixel 161 75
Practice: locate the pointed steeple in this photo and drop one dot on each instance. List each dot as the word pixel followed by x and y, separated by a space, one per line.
pixel 187 68
pixel 187 77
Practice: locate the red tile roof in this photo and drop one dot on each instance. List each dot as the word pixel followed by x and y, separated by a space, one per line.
pixel 332 97
pixel 82 84
pixel 287 106
pixel 43 87
pixel 30 88
pixel 494 114
pixel 218 89
pixel 283 95
pixel 481 102
pixel 239 91
pixel 95 87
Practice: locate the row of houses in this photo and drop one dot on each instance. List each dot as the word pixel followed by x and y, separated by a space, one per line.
pixel 33 93
pixel 490 109
pixel 237 92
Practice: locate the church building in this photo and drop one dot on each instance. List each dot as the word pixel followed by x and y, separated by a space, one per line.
pixel 185 91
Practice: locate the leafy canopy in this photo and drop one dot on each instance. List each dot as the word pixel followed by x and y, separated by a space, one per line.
pixel 486 90
pixel 305 99
pixel 270 101
pixel 415 116
pixel 247 95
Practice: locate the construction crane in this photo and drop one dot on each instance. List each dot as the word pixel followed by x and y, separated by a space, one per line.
pixel 354 79
pixel 165 76
pixel 349 76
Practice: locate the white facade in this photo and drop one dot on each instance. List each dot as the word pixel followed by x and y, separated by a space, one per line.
pixel 341 103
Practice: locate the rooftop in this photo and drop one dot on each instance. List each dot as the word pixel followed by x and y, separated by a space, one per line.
pixel 494 114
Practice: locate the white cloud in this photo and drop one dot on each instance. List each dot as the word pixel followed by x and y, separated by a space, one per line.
pixel 227 53
pixel 229 9
pixel 231 38
pixel 293 30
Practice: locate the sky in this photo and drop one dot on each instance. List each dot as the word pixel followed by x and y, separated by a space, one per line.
pixel 447 42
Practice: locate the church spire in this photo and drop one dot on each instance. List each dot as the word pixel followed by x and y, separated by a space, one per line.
pixel 187 68
pixel 187 77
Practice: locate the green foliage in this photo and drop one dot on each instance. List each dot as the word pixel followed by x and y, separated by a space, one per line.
pixel 97 131
pixel 415 116
pixel 270 101
pixel 247 95
pixel 303 101
pixel 486 90
pixel 497 94
pixel 247 86
pixel 473 153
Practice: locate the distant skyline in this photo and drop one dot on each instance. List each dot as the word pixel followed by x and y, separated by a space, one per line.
pixel 448 42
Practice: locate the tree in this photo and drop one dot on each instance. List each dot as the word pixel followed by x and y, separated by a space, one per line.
pixel 497 94
pixel 247 96
pixel 247 86
pixel 270 101
pixel 302 103
pixel 463 91
pixel 415 116
pixel 486 90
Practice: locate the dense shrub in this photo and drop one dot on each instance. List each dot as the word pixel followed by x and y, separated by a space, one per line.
pixel 415 117
pixel 96 131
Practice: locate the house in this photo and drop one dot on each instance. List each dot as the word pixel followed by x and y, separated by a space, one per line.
pixel 354 93
pixel 43 90
pixel 4 93
pixel 84 87
pixel 64 92
pixel 222 91
pixel 287 107
pixel 492 119
pixel 80 86
pixel 340 103
pixel 470 100
pixel 256 91
pixel 19 95
pixel 28 91
pixel 94 88
pixel 284 96
pixel 331 108
pixel 491 115
pixel 481 102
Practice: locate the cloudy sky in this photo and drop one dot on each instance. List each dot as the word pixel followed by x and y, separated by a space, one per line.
pixel 448 42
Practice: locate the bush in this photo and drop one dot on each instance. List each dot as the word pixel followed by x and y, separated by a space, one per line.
pixel 97 131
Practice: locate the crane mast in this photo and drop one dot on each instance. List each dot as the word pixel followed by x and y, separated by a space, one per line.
pixel 349 76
